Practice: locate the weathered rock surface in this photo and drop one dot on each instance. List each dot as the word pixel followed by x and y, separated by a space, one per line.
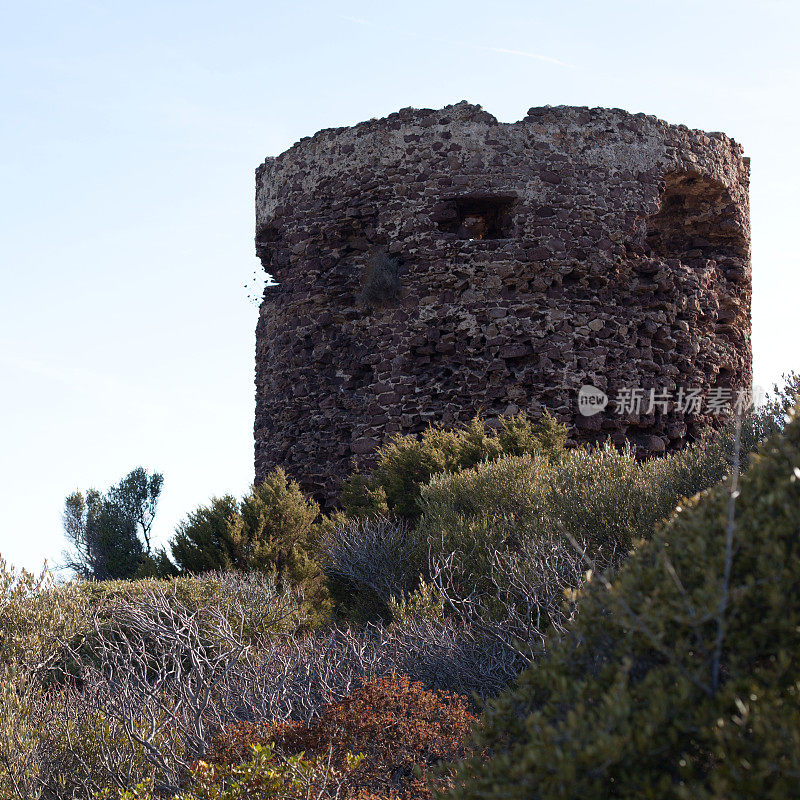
pixel 436 263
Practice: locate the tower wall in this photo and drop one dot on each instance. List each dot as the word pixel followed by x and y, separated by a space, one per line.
pixel 437 263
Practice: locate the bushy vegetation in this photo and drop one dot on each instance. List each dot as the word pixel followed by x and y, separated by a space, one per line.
pixel 126 686
pixel 387 740
pixel 277 652
pixel 261 774
pixel 491 515
pixel 679 677
pixel 120 683
pixel 400 729
pixel 407 463
pixel 604 497
pixel 273 529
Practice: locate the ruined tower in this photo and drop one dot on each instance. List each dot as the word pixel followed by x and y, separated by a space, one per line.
pixel 437 262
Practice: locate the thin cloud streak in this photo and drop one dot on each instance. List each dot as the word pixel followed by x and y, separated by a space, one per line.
pixel 469 45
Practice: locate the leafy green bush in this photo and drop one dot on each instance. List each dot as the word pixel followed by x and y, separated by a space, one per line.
pixel 407 463
pixel 278 531
pixel 207 539
pixel 681 674
pixel 517 436
pixel 273 529
pixel 363 497
pixel 603 496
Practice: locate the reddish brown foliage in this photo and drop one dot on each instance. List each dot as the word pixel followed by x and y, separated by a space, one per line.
pixel 402 729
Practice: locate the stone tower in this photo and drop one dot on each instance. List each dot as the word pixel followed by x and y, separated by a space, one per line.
pixel 437 262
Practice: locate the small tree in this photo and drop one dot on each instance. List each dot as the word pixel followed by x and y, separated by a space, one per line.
pixel 104 530
pixel 104 541
pixel 137 495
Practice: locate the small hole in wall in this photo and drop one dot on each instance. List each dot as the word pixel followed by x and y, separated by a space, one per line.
pixel 724 378
pixel 475 217
pixel 268 233
pixel 572 278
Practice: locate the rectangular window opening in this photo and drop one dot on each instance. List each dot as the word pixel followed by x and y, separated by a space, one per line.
pixel 476 217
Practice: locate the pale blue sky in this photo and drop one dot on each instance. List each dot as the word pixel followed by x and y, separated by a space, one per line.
pixel 128 141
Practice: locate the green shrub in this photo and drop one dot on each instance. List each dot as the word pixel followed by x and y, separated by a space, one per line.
pixel 205 540
pixel 603 496
pixel 362 497
pixel 34 610
pixel 47 745
pixel 278 531
pixel 517 436
pixel 407 463
pixel 662 688
pixel 272 529
pixel 516 490
pixel 423 602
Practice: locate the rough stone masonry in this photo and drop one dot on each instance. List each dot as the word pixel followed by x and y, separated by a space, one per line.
pixel 437 263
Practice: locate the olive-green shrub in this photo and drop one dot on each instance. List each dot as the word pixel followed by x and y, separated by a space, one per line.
pixel 206 540
pixel 407 463
pixel 363 497
pixel 45 743
pixel 674 681
pixel 61 733
pixel 499 497
pixel 272 529
pixel 601 496
pixel 50 745
pixel 253 596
